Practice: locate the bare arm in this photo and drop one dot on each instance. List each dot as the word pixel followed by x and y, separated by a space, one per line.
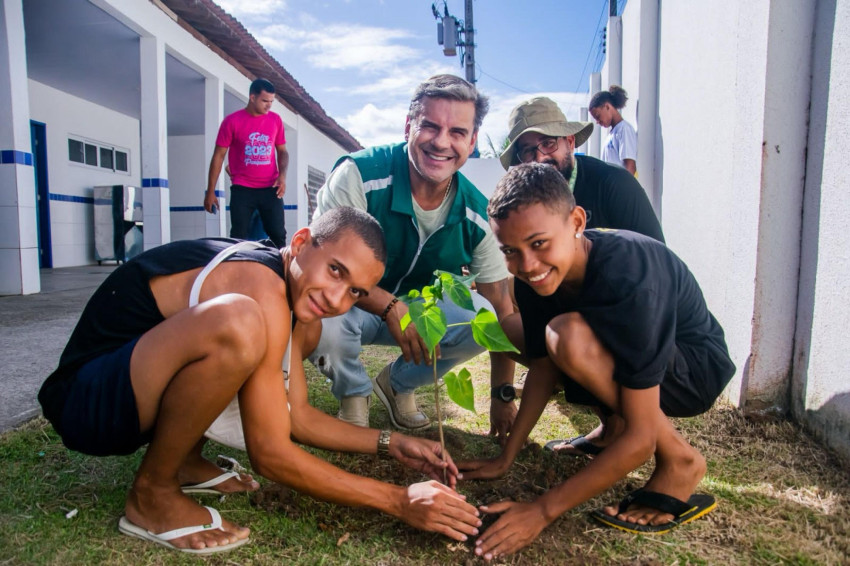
pixel 521 523
pixel 630 166
pixel 216 163
pixel 502 367
pixel 282 165
pixel 268 428
pixel 539 385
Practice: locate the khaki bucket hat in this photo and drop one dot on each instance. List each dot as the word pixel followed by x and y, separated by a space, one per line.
pixel 543 116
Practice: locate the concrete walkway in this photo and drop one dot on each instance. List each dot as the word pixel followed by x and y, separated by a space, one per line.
pixel 33 333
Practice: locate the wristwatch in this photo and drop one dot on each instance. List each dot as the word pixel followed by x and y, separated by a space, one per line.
pixel 384 443
pixel 504 392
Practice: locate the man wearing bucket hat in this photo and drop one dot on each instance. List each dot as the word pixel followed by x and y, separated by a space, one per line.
pixel 612 197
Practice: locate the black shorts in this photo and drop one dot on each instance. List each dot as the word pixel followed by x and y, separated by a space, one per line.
pixel 100 416
pixel 680 395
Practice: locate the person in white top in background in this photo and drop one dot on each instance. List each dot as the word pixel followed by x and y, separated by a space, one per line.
pixel 621 145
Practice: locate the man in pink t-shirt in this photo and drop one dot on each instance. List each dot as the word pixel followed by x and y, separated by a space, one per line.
pixel 255 144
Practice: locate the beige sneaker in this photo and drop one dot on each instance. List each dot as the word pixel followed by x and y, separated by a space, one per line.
pixel 355 410
pixel 402 406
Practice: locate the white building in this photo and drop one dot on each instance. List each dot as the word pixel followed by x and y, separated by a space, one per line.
pixel 130 92
pixel 743 133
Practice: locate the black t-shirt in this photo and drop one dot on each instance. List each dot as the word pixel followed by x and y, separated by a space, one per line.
pixel 123 307
pixel 639 299
pixel 613 198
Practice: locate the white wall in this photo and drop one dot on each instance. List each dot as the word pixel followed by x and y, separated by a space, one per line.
pixel 709 135
pixel 484 173
pixel 822 356
pixel 187 180
pixel 71 223
pixel 314 149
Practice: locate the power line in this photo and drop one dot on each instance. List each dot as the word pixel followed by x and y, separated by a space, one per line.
pixel 595 35
pixel 480 70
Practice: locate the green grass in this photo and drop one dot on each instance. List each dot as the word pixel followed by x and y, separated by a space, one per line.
pixel 782 499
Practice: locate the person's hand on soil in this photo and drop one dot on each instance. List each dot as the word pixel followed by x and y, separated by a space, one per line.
pixel 412 345
pixel 518 527
pixel 485 469
pixel 424 455
pixel 502 417
pixel 431 506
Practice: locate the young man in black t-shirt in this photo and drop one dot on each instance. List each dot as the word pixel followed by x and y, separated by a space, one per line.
pixel 621 322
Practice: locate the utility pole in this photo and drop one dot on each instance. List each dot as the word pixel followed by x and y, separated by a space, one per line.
pixel 449 32
pixel 469 42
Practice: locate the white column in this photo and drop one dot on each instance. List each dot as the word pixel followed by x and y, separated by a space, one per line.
pixel 215 224
pixel 18 228
pixel 155 194
pixel 594 147
pixel 583 117
pixel 647 109
pixel 615 50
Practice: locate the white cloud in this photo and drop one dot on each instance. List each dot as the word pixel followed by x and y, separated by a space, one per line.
pixel 260 9
pixel 368 50
pixel 375 126
pixel 398 82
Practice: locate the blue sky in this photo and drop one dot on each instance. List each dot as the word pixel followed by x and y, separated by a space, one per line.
pixel 361 59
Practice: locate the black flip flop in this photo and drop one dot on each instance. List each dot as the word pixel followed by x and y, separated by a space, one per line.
pixel 683 512
pixel 583 446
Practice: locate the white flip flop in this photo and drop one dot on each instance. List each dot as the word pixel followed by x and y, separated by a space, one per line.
pixel 133 530
pixel 207 486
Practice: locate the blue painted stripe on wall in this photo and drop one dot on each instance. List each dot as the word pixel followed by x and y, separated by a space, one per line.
pixel 15 156
pixel 155 182
pixel 200 208
pixel 219 193
pixel 71 198
pixel 190 208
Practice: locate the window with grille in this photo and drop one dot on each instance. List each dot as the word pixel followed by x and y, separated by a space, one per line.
pixel 97 154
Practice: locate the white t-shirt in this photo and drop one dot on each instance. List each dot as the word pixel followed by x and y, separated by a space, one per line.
pixel 621 144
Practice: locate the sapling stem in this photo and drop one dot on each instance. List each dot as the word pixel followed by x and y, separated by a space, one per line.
pixel 439 417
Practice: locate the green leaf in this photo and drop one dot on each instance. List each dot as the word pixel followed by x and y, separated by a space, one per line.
pixel 411 296
pixel 465 279
pixel 459 388
pixel 488 333
pixel 458 292
pixel 427 292
pixel 405 321
pixel 430 324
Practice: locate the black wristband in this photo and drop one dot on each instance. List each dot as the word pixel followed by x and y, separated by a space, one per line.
pixel 504 392
pixel 388 309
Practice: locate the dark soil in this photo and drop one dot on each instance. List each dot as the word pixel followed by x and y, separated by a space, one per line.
pixel 774 456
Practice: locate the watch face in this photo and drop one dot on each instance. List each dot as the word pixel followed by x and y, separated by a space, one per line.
pixel 507 392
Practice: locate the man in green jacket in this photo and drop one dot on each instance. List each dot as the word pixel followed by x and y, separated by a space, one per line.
pixel 433 218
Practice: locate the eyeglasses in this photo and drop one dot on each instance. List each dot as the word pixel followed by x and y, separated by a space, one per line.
pixel 547 146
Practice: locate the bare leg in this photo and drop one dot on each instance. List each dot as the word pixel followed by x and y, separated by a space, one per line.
pixel 197 469
pixel 609 429
pixel 184 373
pixel 679 467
